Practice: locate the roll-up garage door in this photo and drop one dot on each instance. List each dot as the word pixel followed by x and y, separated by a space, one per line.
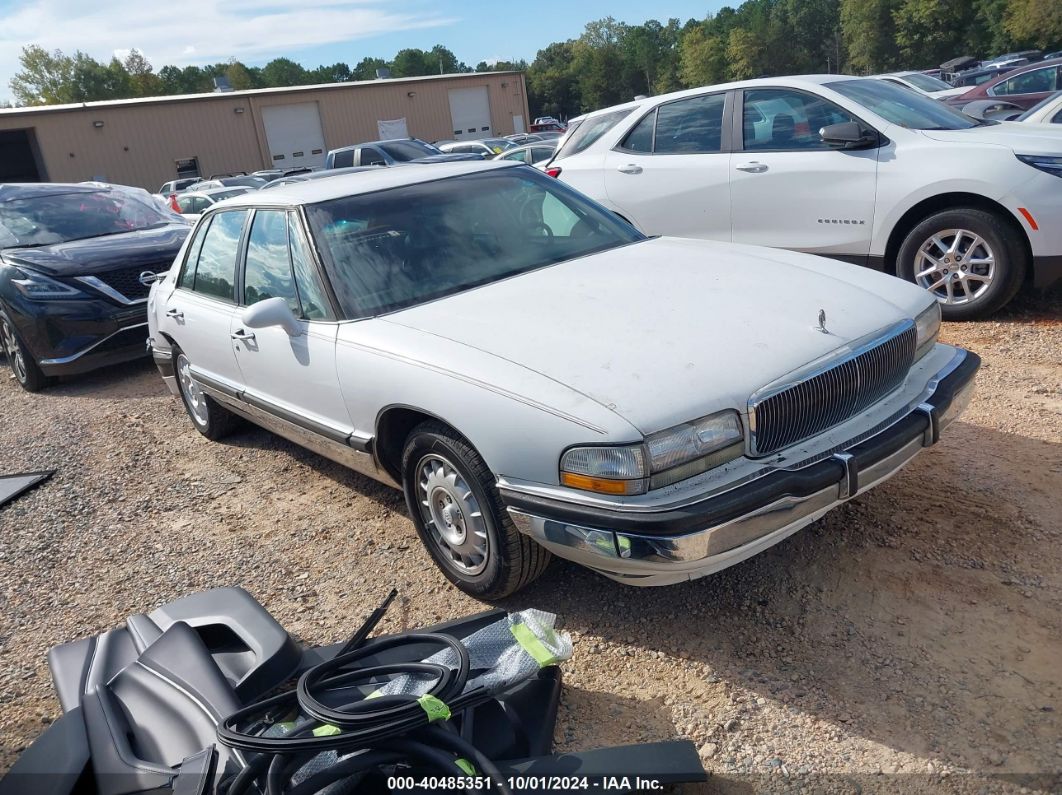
pixel 293 133
pixel 470 112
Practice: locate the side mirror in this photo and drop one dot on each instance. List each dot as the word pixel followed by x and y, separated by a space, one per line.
pixel 848 135
pixel 272 312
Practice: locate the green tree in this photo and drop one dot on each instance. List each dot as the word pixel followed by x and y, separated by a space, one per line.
pixel 283 72
pixel 336 73
pixel 703 57
pixel 239 76
pixel 869 34
pixel 143 82
pixel 366 68
pixel 929 32
pixel 412 62
pixel 744 54
pixel 1034 22
pixel 44 78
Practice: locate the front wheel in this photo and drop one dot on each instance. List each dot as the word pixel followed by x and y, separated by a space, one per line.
pixel 968 259
pixel 28 374
pixel 452 499
pixel 210 418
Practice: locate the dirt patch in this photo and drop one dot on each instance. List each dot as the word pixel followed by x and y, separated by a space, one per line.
pixel 910 639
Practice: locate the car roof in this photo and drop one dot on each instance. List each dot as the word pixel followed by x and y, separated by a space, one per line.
pixel 1020 70
pixel 312 191
pixel 223 189
pixel 792 81
pixel 33 190
pixel 374 143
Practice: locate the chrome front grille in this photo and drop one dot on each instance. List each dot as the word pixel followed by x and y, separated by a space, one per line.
pixel 812 402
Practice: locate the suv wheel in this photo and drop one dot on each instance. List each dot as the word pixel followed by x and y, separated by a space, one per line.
pixel 967 258
pixel 209 417
pixel 451 496
pixel 28 374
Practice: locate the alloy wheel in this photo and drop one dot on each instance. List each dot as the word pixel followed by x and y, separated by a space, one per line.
pixel 193 395
pixel 955 265
pixel 13 351
pixel 452 514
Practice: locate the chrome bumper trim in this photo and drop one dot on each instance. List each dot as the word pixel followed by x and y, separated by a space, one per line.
pixel 663 560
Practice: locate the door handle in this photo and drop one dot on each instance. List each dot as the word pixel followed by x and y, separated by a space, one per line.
pixel 630 168
pixel 242 336
pixel 175 314
pixel 752 168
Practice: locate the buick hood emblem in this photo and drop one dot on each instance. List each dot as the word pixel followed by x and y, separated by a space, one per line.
pixel 822 322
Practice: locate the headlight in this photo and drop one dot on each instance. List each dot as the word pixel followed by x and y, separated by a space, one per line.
pixel 1052 164
pixel 927 324
pixel 40 288
pixel 664 458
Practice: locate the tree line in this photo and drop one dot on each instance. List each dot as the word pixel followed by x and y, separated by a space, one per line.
pixel 613 61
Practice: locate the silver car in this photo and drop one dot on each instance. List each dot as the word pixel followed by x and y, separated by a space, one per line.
pixel 538 377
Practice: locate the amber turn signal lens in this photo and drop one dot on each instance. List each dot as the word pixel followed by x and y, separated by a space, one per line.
pixel 600 485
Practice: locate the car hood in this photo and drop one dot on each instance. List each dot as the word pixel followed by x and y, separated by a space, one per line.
pixel 1022 139
pixel 446 157
pixel 100 254
pixel 668 330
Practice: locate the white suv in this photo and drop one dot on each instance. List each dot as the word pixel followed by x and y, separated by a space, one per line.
pixel 856 169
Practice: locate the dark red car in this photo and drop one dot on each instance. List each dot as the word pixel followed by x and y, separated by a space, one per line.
pixel 1024 86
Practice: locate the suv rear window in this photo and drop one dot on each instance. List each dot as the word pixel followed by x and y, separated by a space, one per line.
pixel 587 131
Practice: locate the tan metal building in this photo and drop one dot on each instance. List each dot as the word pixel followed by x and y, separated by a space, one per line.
pixel 146 142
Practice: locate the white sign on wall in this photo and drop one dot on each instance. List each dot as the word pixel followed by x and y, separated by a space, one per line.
pixel 396 128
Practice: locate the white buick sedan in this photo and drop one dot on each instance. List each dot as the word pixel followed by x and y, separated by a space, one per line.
pixel 538 377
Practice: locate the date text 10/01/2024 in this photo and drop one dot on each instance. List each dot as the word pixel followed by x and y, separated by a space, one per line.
pixel 523 783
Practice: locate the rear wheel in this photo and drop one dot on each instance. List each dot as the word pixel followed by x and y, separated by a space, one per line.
pixel 28 374
pixel 454 504
pixel 209 417
pixel 968 259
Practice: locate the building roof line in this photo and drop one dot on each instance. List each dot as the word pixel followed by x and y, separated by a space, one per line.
pixel 252 92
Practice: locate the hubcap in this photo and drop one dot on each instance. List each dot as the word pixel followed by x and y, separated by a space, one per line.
pixel 193 395
pixel 955 265
pixel 452 514
pixel 13 351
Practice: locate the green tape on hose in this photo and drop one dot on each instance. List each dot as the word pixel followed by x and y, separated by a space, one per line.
pixel 465 765
pixel 326 730
pixel 530 643
pixel 435 709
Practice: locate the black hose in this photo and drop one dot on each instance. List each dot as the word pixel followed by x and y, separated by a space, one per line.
pixel 395 727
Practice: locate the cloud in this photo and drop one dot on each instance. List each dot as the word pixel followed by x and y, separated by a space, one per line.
pixel 174 32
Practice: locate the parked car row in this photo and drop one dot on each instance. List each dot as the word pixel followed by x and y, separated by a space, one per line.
pixel 623 365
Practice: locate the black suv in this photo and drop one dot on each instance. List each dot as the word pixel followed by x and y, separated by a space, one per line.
pixel 76 265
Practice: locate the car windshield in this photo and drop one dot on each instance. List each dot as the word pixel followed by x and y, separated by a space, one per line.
pixel 925 82
pixel 61 217
pixel 228 194
pixel 1039 106
pixel 902 106
pixel 408 150
pixel 397 248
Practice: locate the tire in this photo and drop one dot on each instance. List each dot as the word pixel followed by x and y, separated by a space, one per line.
pixel 208 416
pixel 471 538
pixel 24 367
pixel 987 248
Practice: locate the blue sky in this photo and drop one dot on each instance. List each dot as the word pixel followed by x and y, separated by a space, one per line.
pixel 311 32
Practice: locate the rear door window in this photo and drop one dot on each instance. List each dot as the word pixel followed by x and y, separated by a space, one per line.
pixel 215 274
pixel 372 157
pixel 1035 82
pixel 690 126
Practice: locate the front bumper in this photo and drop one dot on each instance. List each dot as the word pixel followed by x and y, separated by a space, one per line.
pixel 74 337
pixel 670 546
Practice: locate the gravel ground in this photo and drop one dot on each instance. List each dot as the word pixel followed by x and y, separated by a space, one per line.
pixel 910 640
